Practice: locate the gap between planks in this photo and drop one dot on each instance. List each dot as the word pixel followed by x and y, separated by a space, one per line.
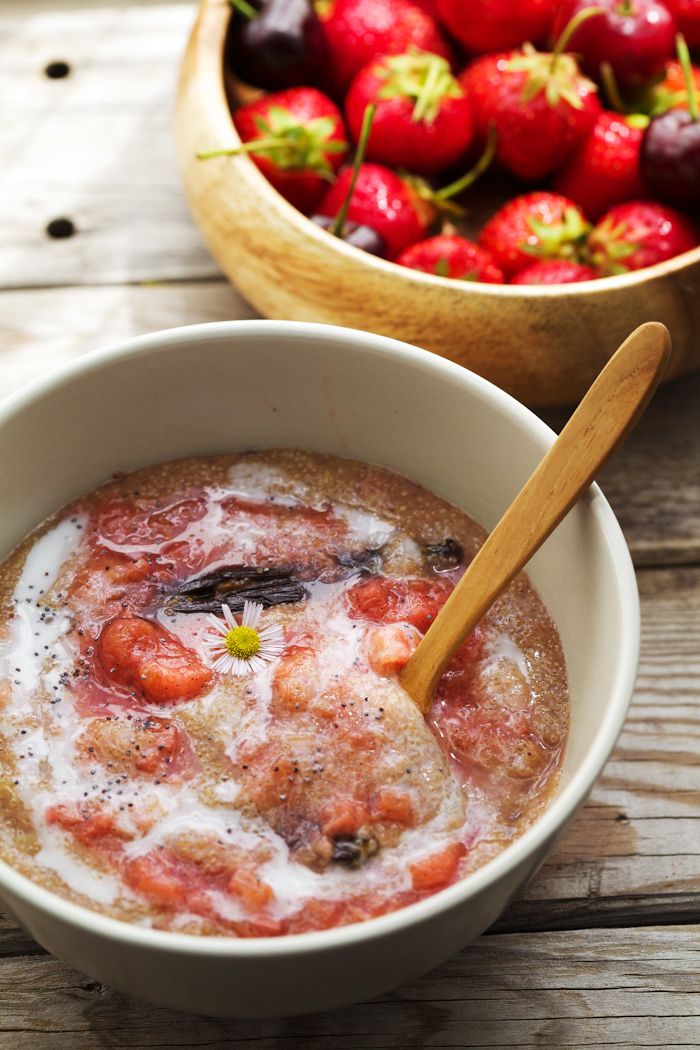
pixel 617 989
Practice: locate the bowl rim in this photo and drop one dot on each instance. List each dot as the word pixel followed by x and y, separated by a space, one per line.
pixel 569 795
pixel 212 13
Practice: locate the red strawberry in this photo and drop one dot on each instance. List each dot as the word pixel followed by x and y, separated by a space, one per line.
pixel 423 119
pixel 385 201
pixel 604 170
pixel 430 7
pixel 540 104
pixel 555 271
pixel 634 37
pixel 638 234
pixel 496 25
pixel 671 92
pixel 356 31
pixel 538 225
pixel 297 138
pixel 687 14
pixel 451 256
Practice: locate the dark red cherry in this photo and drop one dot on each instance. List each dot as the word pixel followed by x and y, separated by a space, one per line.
pixel 634 37
pixel 670 158
pixel 360 236
pixel 281 47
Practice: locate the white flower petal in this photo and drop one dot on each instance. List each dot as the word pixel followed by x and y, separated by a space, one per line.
pixel 223 663
pixel 251 614
pixel 216 624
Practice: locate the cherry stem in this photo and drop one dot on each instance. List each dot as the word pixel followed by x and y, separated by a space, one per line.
pixel 615 99
pixel 339 222
pixel 244 8
pixel 569 30
pixel 252 146
pixel 625 7
pixel 454 188
pixel 686 66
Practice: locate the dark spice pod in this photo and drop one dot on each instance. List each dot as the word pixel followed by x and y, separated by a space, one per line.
pixel 354 852
pixel 443 556
pixel 233 585
pixel 367 559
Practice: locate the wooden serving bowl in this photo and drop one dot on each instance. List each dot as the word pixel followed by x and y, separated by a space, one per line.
pixel 544 345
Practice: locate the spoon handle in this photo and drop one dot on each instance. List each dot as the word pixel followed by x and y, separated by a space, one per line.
pixel 602 421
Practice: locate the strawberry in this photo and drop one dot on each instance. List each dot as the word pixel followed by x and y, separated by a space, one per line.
pixel 423 119
pixel 540 104
pixel 671 92
pixel 555 271
pixel 451 256
pixel 384 201
pixel 634 37
pixel 430 7
pixel 538 225
pixel 297 138
pixel 356 31
pixel 637 234
pixel 399 208
pixel 497 25
pixel 604 170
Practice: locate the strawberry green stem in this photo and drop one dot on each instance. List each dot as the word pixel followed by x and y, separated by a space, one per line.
pixel 339 222
pixel 253 146
pixel 425 99
pixel 479 168
pixel 244 8
pixel 684 59
pixel 569 30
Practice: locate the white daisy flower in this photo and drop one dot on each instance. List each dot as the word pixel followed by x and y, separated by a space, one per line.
pixel 240 648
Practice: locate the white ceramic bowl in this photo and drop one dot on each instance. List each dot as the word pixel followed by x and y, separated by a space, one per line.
pixel 254 384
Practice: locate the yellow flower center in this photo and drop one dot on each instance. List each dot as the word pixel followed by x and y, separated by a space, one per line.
pixel 242 642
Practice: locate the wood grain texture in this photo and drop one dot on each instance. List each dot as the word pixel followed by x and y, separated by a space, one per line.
pixel 95 147
pixel 653 481
pixel 43 328
pixel 593 989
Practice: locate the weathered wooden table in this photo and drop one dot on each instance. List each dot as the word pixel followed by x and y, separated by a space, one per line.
pixel 603 949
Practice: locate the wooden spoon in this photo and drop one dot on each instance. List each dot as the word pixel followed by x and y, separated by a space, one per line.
pixel 602 421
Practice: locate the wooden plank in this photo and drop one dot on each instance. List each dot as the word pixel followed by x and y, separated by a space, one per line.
pixel 95 146
pixel 592 989
pixel 653 482
pixel 44 328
